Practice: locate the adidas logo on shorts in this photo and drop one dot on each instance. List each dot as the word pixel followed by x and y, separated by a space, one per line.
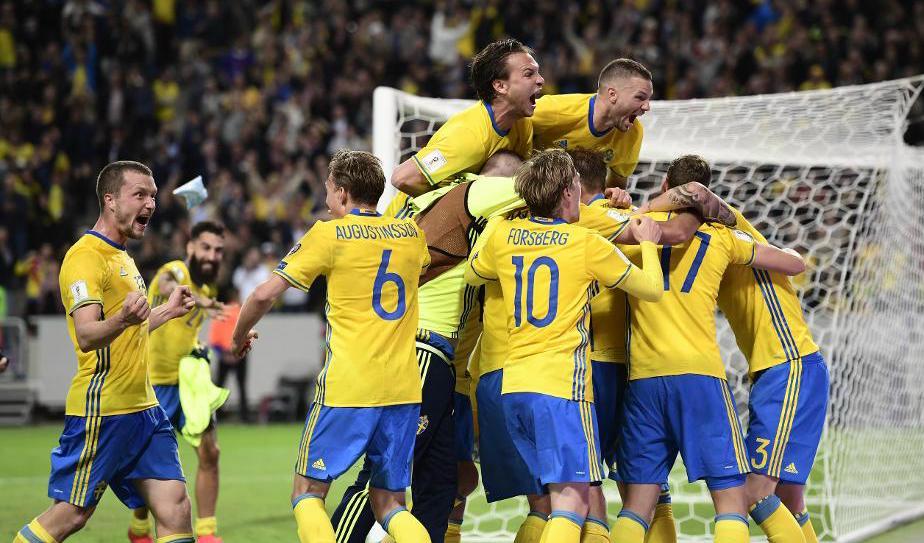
pixel 791 468
pixel 319 464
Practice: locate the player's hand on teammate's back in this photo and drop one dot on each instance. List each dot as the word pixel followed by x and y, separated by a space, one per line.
pixel 645 229
pixel 135 309
pixel 618 197
pixel 241 349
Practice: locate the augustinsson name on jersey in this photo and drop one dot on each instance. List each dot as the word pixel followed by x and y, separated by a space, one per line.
pixel 376 231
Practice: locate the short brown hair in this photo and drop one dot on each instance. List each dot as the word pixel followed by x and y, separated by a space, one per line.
pixel 112 176
pixel 591 166
pixel 491 63
pixel 688 168
pixel 542 180
pixel 622 68
pixel 360 174
pixel 211 227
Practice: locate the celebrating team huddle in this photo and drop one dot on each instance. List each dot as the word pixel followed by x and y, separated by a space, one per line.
pixel 510 284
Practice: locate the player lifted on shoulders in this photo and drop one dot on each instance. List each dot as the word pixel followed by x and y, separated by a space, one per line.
pixel 678 399
pixel 168 345
pixel 114 434
pixel 506 79
pixel 549 271
pixel 606 121
pixel 370 382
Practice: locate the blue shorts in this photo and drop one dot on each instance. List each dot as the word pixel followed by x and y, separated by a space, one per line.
pixel 464 426
pixel 115 450
pixel 335 437
pixel 504 474
pixel 691 414
pixel 787 406
pixel 610 381
pixel 168 396
pixel 556 437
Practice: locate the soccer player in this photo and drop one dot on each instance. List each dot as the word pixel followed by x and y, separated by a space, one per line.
pixel 115 434
pixel 678 398
pixel 174 341
pixel 789 391
pixel 606 121
pixel 507 81
pixel 547 400
pixel 451 217
pixel 368 396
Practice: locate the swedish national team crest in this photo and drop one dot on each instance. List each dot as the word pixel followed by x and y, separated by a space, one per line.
pixel 608 155
pixel 561 143
pixel 422 424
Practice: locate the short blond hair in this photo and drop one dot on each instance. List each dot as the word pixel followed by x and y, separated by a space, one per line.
pixel 541 181
pixel 360 174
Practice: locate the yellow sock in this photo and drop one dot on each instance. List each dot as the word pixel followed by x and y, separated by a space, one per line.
pixel 562 527
pixel 206 526
pixel 595 531
pixel 776 521
pixel 402 526
pixel 808 531
pixel 628 528
pixel 531 529
pixel 311 518
pixel 140 526
pixel 453 532
pixel 33 531
pixel 177 538
pixel 731 528
pixel 663 529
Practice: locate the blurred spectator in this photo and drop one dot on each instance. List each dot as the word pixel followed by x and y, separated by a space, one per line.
pixel 252 271
pixel 220 332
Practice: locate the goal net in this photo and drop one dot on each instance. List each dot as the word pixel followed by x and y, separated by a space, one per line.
pixel 824 172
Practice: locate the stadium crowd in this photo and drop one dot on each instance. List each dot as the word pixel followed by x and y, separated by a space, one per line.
pixel 255 96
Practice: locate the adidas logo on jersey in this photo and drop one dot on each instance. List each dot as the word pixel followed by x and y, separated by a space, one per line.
pixel 791 468
pixel 319 464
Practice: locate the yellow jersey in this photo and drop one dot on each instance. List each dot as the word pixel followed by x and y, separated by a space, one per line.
pixel 548 271
pixel 112 380
pixel 605 221
pixel 372 264
pixel 468 339
pixel 567 120
pixel 175 338
pixel 677 334
pixel 764 312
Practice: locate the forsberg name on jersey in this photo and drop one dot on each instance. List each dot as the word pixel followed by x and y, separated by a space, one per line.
pixel 376 231
pixel 519 236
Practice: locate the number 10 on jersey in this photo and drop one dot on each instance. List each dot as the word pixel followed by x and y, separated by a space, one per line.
pixel 541 262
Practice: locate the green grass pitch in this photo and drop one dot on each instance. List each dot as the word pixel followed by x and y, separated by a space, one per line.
pixel 256 480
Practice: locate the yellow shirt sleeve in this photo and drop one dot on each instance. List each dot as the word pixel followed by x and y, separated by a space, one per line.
pixel 310 258
pixel 453 148
pixel 82 280
pixel 481 266
pixel 424 249
pixel 609 266
pixel 743 247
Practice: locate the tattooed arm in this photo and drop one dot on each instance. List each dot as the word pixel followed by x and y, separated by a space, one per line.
pixel 693 196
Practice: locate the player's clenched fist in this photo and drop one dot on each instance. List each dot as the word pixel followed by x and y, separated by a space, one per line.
pixel 242 346
pixel 618 197
pixel 646 229
pixel 181 301
pixel 135 309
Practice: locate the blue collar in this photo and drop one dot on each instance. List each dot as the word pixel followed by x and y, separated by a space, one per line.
pixel 501 133
pixel 364 212
pixel 547 220
pixel 107 240
pixel 590 119
pixel 596 197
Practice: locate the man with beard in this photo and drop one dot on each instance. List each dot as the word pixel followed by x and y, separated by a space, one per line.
pixel 115 433
pixel 173 342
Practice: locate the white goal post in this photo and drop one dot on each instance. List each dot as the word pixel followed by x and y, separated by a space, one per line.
pixel 825 172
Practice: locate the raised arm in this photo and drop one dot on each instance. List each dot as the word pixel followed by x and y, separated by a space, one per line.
pixel 679 229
